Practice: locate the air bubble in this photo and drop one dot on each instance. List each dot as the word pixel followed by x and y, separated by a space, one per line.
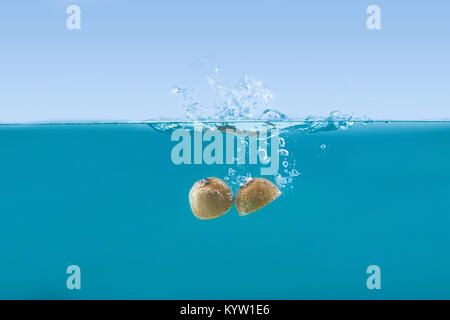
pixel 262 153
pixel 280 181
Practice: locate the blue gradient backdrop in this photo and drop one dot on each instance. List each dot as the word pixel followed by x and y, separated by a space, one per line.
pixel 316 56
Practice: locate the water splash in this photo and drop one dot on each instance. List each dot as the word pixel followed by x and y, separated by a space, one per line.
pixel 247 105
pixel 247 99
pixel 244 108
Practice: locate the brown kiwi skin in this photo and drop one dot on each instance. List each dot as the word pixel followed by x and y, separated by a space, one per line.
pixel 255 194
pixel 210 198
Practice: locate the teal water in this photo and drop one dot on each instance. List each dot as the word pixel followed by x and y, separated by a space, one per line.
pixel 109 199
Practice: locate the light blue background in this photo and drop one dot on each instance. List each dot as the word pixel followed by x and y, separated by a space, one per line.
pixel 317 56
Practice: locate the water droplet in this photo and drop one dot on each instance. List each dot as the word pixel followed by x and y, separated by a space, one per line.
pixel 175 90
pixel 282 142
pixel 294 173
pixel 284 152
pixel 285 164
pixel 323 146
